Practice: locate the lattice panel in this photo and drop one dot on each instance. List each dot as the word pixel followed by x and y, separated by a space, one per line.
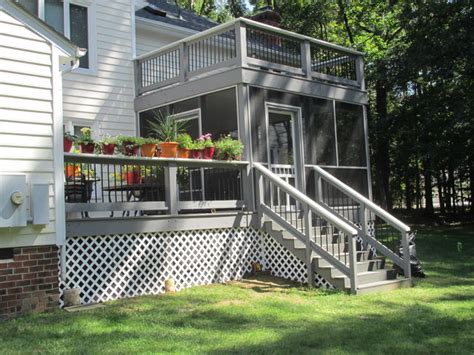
pixel 282 263
pixel 116 266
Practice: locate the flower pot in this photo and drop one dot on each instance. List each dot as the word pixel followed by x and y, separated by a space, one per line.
pixel 133 177
pixel 130 149
pixel 108 149
pixel 168 149
pixel 87 148
pixel 208 153
pixel 196 153
pixel 149 150
pixel 72 170
pixel 183 153
pixel 67 145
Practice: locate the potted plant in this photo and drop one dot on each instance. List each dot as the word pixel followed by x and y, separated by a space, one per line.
pixel 129 145
pixel 85 141
pixel 228 148
pixel 149 146
pixel 208 146
pixel 68 141
pixel 197 148
pixel 132 174
pixel 107 145
pixel 166 129
pixel 184 144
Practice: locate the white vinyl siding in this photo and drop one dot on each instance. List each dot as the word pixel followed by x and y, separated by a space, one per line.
pixel 104 100
pixel 148 40
pixel 26 120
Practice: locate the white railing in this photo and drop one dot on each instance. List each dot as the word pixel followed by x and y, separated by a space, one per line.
pixel 247 43
pixel 376 227
pixel 308 221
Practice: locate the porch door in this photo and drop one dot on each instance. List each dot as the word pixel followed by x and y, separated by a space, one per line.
pixel 284 142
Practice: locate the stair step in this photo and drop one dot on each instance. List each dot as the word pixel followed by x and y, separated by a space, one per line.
pixel 383 286
pixel 369 277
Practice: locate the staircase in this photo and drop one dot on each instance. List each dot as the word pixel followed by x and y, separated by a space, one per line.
pixel 337 241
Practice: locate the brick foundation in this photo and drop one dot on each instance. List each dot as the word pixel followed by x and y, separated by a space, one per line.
pixel 29 283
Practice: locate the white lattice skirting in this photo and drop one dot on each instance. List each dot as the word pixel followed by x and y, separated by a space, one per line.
pixel 110 267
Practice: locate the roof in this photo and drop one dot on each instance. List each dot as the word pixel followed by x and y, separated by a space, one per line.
pixel 162 11
pixel 42 28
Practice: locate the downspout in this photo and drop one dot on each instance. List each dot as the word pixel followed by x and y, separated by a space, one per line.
pixel 60 209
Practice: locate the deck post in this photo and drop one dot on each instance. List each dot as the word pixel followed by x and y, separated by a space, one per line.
pixel 244 131
pixel 183 63
pixel 353 262
pixel 306 59
pixel 138 77
pixel 241 42
pixel 406 254
pixel 360 72
pixel 308 251
pixel 171 188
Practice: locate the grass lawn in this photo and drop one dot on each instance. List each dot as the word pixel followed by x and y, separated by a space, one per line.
pixel 436 316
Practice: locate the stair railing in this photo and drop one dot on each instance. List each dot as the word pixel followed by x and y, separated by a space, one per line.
pixel 311 223
pixel 363 214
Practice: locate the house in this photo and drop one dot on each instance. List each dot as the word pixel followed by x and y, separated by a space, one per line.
pixel 33 59
pixel 299 200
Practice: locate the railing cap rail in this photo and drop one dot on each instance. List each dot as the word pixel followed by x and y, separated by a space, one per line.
pixel 362 199
pixel 232 24
pixel 117 159
pixel 339 223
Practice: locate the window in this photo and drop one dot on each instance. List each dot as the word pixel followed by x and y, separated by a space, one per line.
pixel 69 18
pixel 79 30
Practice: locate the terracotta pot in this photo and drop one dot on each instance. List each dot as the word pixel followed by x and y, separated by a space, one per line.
pixel 72 170
pixel 149 150
pixel 130 150
pixel 87 148
pixel 108 149
pixel 67 145
pixel 208 153
pixel 168 149
pixel 133 177
pixel 196 153
pixel 183 153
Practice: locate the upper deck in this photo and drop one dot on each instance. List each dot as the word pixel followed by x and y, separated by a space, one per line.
pixel 245 51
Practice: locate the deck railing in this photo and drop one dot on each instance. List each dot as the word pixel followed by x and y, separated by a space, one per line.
pixel 116 186
pixel 383 232
pixel 247 43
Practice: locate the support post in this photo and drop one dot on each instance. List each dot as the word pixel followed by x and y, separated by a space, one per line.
pixel 248 187
pixel 138 77
pixel 406 255
pixel 306 59
pixel 260 196
pixel 171 188
pixel 241 42
pixel 309 256
pixel 318 182
pixel 360 72
pixel 353 262
pixel 183 63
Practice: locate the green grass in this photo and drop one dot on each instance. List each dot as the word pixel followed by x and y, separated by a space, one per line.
pixel 436 316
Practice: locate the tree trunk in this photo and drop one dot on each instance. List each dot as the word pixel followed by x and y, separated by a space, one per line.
pixel 447 196
pixel 428 187
pixel 452 187
pixel 408 193
pixel 382 156
pixel 471 183
pixel 440 194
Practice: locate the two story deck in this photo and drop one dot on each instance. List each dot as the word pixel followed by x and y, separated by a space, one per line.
pixel 298 105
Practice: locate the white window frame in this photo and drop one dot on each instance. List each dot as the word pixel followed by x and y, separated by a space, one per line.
pixel 91 24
